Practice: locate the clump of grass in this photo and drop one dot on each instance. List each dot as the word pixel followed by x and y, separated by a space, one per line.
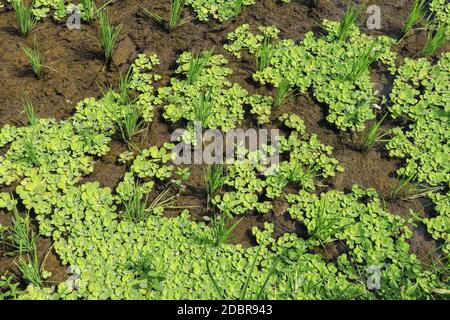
pixel 130 124
pixel 175 13
pixel 264 54
pixel 326 223
pixel 214 178
pixel 36 58
pixel 29 145
pixel 222 228
pixel 284 90
pixel 374 135
pixel 197 64
pixel 136 207
pixel 89 9
pixel 348 22
pixel 21 238
pixel 176 9
pixel 24 16
pixel 202 108
pixel 435 39
pixel 362 63
pixel 124 86
pixel 417 14
pixel 108 34
pixel 30 269
pixel 409 189
pixel 29 111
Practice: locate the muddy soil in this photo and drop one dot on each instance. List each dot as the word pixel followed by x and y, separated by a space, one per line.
pixel 77 71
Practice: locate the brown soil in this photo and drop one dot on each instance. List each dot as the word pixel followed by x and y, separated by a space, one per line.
pixel 77 72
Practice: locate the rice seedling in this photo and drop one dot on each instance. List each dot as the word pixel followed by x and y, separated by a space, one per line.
pixel 362 63
pixel 36 58
pixel 326 223
pixel 374 135
pixel 136 208
pixel 222 228
pixel 29 145
pixel 416 15
pixel 435 39
pixel 175 13
pixel 214 178
pixel 264 54
pixel 348 22
pixel 30 269
pixel 283 93
pixel 21 238
pixel 24 16
pixel 202 108
pixel 409 189
pixel 89 9
pixel 197 64
pixel 29 111
pixel 129 122
pixel 108 34
pixel 124 86
pixel 176 10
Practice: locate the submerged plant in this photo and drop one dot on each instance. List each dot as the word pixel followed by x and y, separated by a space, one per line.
pixel 196 64
pixel 348 21
pixel 435 39
pixel 108 34
pixel 417 13
pixel 24 16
